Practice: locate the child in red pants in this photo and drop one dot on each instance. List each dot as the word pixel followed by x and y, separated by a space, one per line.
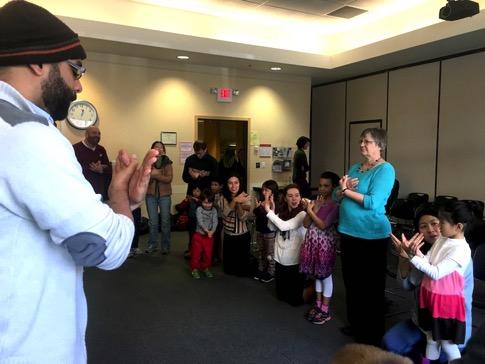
pixel 203 238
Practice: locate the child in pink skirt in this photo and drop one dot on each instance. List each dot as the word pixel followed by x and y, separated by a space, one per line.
pixel 319 249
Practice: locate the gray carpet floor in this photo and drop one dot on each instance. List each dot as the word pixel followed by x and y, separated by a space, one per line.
pixel 151 310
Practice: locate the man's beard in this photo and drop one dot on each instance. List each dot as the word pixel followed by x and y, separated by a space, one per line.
pixel 56 95
pixel 93 140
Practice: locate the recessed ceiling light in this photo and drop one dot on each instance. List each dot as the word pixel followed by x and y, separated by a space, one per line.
pixel 275 68
pixel 183 57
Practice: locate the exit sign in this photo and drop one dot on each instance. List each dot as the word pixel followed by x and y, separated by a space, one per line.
pixel 224 94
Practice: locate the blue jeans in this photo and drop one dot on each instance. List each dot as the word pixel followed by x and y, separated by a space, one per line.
pixel 154 206
pixel 405 338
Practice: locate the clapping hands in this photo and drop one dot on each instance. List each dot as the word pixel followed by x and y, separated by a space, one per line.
pixel 130 179
pixel 346 182
pixel 97 167
pixel 243 197
pixel 409 247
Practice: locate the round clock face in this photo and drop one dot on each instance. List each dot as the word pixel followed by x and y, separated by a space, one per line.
pixel 82 114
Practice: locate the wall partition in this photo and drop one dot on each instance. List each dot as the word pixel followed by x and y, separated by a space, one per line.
pixel 435 117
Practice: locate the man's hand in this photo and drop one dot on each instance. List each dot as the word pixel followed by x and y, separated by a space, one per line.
pixel 123 170
pixel 140 178
pixel 194 173
pixel 97 167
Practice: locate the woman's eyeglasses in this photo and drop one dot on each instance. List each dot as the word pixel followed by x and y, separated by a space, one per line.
pixel 78 70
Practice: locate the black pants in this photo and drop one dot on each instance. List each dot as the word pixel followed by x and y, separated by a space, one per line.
pixel 289 283
pixel 236 253
pixel 305 189
pixel 364 274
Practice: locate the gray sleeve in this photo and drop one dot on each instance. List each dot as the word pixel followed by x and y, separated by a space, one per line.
pixel 87 249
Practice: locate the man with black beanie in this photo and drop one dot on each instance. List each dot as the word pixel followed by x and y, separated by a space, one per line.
pixel 52 224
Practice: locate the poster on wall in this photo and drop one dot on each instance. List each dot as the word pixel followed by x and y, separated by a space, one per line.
pixel 185 151
pixel 282 159
pixel 265 150
pixel 168 137
pixel 254 138
pixel 277 166
pixel 282 152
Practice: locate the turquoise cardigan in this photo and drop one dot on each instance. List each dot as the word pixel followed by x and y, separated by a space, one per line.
pixel 368 220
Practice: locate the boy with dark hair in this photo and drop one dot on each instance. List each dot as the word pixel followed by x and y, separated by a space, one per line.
pixel 203 239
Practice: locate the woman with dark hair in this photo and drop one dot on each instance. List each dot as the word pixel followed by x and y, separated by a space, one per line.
pixel 159 200
pixel 237 240
pixel 365 231
pixel 441 313
pixel 301 167
pixel 229 164
pixel 290 232
pixel 406 338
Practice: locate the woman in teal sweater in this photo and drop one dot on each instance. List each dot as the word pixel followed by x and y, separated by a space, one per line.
pixel 365 231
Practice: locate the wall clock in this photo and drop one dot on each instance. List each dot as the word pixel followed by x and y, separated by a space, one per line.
pixel 82 114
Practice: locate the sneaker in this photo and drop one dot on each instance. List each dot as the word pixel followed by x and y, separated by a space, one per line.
pixel 150 250
pixel 208 273
pixel 258 275
pixel 320 318
pixel 266 278
pixel 312 312
pixel 195 274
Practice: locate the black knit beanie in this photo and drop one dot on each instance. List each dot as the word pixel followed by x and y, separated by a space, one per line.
pixel 30 34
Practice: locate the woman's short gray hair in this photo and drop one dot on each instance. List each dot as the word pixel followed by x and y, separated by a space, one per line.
pixel 379 135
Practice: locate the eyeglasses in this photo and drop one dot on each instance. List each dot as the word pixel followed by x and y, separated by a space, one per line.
pixel 78 70
pixel 366 142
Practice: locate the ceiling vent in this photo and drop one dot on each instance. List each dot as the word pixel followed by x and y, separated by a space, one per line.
pixel 347 12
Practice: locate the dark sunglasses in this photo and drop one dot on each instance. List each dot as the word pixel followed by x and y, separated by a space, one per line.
pixel 78 70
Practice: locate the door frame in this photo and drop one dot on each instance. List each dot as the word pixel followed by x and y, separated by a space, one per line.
pixel 248 136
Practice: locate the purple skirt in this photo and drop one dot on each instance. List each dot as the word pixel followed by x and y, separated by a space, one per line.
pixel 318 251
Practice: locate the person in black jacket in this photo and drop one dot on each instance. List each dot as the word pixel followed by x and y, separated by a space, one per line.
pixel 301 167
pixel 199 168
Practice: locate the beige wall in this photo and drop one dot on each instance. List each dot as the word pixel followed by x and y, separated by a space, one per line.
pixel 138 98
pixel 412 129
pixel 461 152
pixel 434 115
pixel 328 130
